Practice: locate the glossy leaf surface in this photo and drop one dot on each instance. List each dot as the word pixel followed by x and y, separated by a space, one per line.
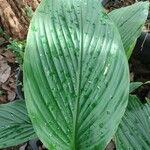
pixel 134 86
pixel 130 21
pixel 15 125
pixel 134 129
pixel 74 54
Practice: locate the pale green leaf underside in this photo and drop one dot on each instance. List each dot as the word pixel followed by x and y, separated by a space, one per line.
pixel 75 75
pixel 15 125
pixel 134 86
pixel 130 21
pixel 134 130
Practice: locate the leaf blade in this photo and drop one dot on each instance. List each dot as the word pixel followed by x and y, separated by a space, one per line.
pixel 15 127
pixel 130 21
pixel 134 86
pixel 76 59
pixel 134 127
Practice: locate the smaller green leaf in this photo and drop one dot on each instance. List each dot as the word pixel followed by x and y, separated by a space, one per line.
pixel 134 130
pixel 134 86
pixel 130 21
pixel 148 82
pixel 15 125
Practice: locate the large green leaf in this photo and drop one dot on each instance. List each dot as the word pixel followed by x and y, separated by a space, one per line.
pixel 134 130
pixel 15 125
pixel 76 78
pixel 130 21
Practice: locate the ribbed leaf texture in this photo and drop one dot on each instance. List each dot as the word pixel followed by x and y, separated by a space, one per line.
pixel 15 125
pixel 76 78
pixel 135 85
pixel 130 21
pixel 134 130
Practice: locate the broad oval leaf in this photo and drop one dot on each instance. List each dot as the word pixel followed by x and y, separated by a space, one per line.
pixel 15 125
pixel 76 76
pixel 130 21
pixel 134 129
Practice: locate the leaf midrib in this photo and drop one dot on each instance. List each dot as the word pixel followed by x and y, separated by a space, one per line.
pixel 78 87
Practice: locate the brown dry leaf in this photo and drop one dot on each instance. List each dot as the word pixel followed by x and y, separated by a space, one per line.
pixel 110 146
pixel 3 99
pixel 14 18
pixel 23 147
pixel 5 87
pixel 2 41
pixel 5 70
pixel 9 56
pixel 10 91
pixel 12 85
pixel 131 76
pixel 2 49
pixel 11 95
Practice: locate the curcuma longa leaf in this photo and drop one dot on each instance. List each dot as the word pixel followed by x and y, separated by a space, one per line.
pixel 130 21
pixel 134 129
pixel 76 78
pixel 134 86
pixel 15 125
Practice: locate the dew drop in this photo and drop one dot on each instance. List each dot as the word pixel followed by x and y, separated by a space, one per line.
pixel 98 87
pixel 111 97
pixel 93 105
pixel 68 130
pixel 101 132
pixel 69 11
pixel 7 126
pixel 103 22
pixel 12 115
pixel 108 112
pixel 85 3
pixel 33 28
pixel 54 145
pixel 48 72
pixel 2 127
pixel 90 68
pixel 89 81
pixel 93 25
pixel 106 70
pixel 101 125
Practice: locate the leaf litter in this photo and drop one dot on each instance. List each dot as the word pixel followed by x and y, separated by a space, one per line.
pixel 7 74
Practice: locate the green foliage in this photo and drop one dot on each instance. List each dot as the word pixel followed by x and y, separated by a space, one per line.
pixel 29 11
pixel 71 90
pixel 130 21
pixel 75 76
pixel 18 48
pixel 134 86
pixel 15 125
pixel 134 130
